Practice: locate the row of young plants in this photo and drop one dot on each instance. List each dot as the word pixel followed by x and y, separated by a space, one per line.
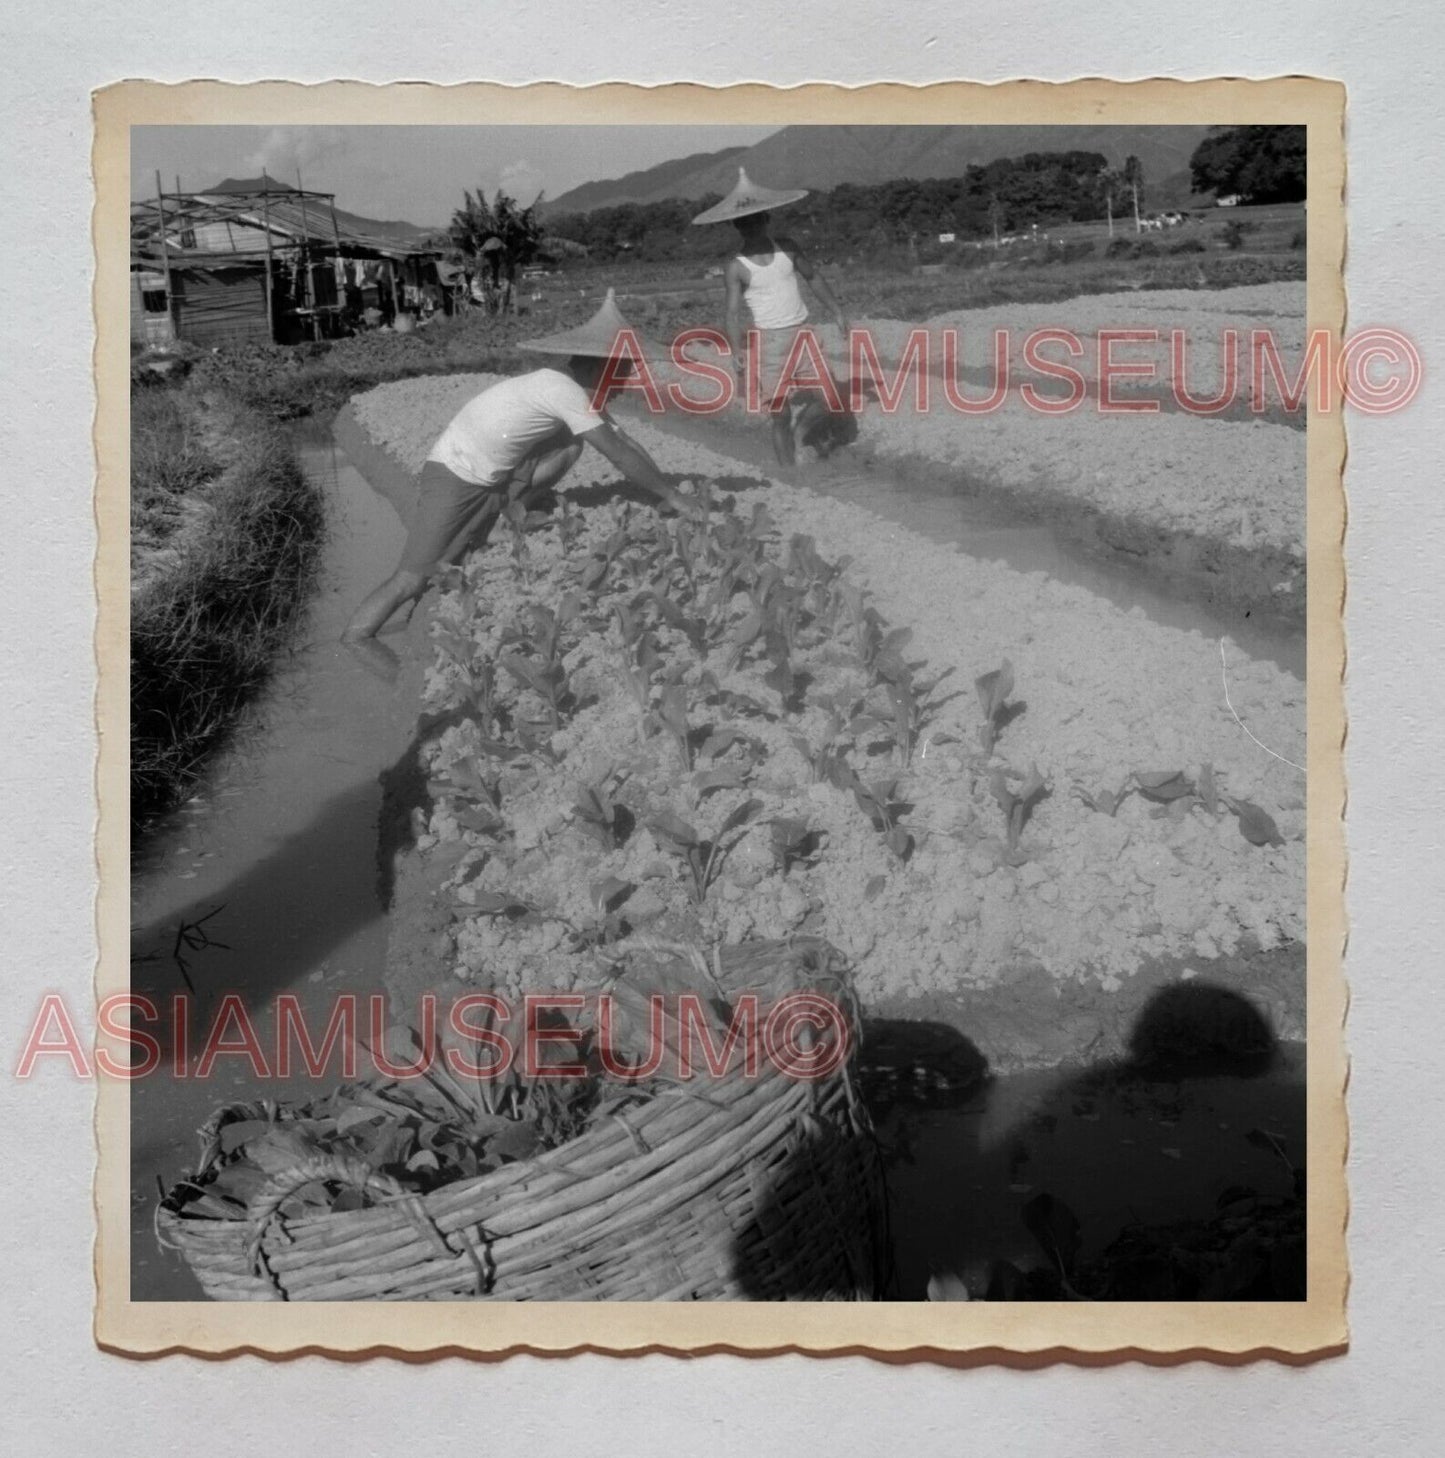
pixel 657 693
pixel 729 673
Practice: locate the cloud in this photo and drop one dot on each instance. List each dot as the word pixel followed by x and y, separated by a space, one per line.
pixel 284 149
pixel 522 181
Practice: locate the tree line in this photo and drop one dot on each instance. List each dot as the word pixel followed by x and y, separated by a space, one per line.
pixel 999 198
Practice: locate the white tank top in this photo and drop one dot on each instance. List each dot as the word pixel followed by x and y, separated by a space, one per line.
pixel 772 294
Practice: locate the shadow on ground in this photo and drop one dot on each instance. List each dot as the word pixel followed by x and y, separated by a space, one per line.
pixel 1171 1173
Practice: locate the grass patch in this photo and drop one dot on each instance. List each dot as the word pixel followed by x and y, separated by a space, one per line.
pixel 231 531
pixel 288 382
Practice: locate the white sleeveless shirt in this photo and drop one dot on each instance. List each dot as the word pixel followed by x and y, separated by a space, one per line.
pixel 772 292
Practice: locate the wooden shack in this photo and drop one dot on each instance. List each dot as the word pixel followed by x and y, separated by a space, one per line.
pixel 255 260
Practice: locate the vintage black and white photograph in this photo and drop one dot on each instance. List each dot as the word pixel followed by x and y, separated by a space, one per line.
pixel 717 712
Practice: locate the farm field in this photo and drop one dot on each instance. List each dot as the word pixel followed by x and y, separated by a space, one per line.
pixel 856 880
pixel 1125 867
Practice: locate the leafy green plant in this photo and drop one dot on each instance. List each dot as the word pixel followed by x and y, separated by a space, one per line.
pixel 914 705
pixel 1056 1229
pixel 1017 805
pixel 877 802
pixel 1163 786
pixel 725 737
pixel 721 777
pixel 795 842
pixel 671 715
pixel 1255 825
pixel 476 796
pixel 1106 801
pixel 600 816
pixel 703 858
pixel 541 667
pixel 639 662
pixel 546 679
pixel 520 522
pixel 993 690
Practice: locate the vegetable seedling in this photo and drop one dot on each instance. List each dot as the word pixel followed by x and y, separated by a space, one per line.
pixel 599 816
pixel 993 691
pixel 1255 825
pixel 671 714
pixel 795 842
pixel 703 858
pixel 1018 805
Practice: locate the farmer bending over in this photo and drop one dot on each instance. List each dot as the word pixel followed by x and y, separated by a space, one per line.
pixel 764 277
pixel 512 442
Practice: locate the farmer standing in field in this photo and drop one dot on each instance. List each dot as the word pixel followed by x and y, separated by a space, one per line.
pixel 764 277
pixel 513 442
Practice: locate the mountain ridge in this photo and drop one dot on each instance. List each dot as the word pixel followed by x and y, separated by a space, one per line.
pixel 823 157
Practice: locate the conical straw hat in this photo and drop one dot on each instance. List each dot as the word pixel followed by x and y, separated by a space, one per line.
pixel 747 197
pixel 598 336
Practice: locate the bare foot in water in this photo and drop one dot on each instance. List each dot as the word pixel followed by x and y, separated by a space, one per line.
pixel 376 658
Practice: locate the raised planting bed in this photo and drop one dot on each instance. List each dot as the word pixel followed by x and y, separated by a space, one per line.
pixel 993 793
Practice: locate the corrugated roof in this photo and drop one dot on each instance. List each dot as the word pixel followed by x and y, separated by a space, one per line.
pixel 294 217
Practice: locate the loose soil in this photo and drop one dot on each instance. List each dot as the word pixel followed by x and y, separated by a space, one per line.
pixel 1098 904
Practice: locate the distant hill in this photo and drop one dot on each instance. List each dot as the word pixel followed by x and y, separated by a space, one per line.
pixel 666 179
pixel 822 157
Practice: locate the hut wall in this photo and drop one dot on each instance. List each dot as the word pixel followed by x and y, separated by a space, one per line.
pixel 150 320
pixel 222 305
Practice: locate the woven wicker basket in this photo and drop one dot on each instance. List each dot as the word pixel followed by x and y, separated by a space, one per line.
pixel 767 1188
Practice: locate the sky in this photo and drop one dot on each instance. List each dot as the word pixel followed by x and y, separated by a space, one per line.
pixel 416 173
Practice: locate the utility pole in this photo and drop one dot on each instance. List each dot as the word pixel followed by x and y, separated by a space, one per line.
pixel 306 254
pixel 266 223
pixel 166 257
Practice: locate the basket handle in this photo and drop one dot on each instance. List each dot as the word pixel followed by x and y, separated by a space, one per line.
pixel 285 1182
pixel 360 1176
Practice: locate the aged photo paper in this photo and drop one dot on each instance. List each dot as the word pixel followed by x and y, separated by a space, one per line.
pixel 869 842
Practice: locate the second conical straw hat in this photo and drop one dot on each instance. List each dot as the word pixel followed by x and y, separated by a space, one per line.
pixel 598 336
pixel 747 197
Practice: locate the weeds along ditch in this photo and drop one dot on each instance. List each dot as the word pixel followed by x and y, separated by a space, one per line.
pixel 225 538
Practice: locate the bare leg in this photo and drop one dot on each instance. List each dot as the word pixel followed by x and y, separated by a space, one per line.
pixel 375 657
pixel 402 587
pixel 545 470
pixel 783 446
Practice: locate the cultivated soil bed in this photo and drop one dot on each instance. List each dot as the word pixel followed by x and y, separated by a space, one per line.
pixel 1213 498
pixel 634 729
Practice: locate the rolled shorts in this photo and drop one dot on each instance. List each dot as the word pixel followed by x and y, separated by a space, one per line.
pixel 452 515
pixel 773 347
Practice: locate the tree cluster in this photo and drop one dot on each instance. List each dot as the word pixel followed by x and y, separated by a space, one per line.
pixel 1259 164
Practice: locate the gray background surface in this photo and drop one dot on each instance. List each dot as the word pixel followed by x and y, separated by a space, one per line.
pixel 1383 1398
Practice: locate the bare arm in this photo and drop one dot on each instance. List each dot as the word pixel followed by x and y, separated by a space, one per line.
pixel 829 300
pixel 637 466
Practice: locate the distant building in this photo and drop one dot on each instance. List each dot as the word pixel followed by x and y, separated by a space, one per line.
pixel 947 237
pixel 1232 201
pixel 257 260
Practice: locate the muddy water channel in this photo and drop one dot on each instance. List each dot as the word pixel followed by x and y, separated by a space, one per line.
pixel 267 883
pixel 947 507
